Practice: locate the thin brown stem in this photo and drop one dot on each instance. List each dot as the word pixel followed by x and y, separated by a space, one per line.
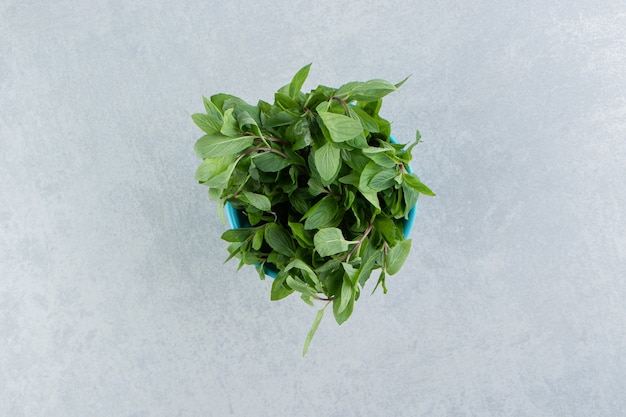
pixel 360 241
pixel 249 151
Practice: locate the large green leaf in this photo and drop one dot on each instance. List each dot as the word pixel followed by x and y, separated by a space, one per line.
pixel 270 162
pixel 212 146
pixel 412 181
pixel 258 200
pixel 206 123
pixel 397 255
pixel 231 125
pixel 341 128
pixel 330 241
pixel 372 90
pixel 328 162
pixel 322 214
pixel 316 324
pixel 298 81
pixel 280 289
pixel 215 172
pixel 279 239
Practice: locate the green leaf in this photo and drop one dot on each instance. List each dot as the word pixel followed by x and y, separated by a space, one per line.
pixel 383 179
pixel 299 286
pixel 341 128
pixel 279 288
pixel 237 235
pixel 371 171
pixel 212 111
pixel 307 271
pixel 279 239
pixel 230 126
pixel 206 123
pixel 410 199
pixel 412 181
pixel 215 172
pixel 372 197
pixel 316 324
pixel 258 200
pixel 401 82
pixel 351 272
pixel 298 81
pixel 212 146
pixel 321 214
pixel 368 122
pixel 328 162
pixel 302 236
pixel 286 103
pixel 347 293
pixel 380 156
pixel 397 255
pixel 246 122
pixel 257 241
pixel 270 162
pixel 302 134
pixel 388 229
pixel 372 90
pixel 330 241
pixel 342 310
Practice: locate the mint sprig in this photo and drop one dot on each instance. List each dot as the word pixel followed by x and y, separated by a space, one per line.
pixel 324 189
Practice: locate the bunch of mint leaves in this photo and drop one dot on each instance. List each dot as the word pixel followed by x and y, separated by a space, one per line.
pixel 325 191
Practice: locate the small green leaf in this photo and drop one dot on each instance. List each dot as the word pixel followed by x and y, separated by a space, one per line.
pixel 212 111
pixel 351 272
pixel 270 162
pixel 330 241
pixel 388 229
pixel 307 271
pixel 279 239
pixel 372 90
pixel 347 293
pixel 237 235
pixel 206 123
pixel 212 146
pixel 258 200
pixel 412 181
pixel 286 103
pixel 247 123
pixel 230 126
pixel 397 255
pixel 302 133
pixel 298 81
pixel 343 310
pixel 401 82
pixel 279 288
pixel 302 236
pixel 328 162
pixel 372 197
pixel 341 128
pixel 383 179
pixel 316 324
pixel 215 172
pixel 368 122
pixel 322 214
pixel 410 199
pixel 299 286
pixel 257 241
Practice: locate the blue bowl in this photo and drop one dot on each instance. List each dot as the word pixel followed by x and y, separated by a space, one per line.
pixel 236 220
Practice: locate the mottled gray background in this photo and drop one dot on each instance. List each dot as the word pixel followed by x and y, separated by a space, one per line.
pixel 113 297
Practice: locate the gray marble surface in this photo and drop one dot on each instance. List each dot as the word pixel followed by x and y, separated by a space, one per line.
pixel 114 299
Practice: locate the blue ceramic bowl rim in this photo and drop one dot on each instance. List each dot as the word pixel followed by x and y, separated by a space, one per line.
pixel 236 220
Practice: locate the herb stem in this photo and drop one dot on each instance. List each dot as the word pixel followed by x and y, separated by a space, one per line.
pixel 360 241
pixel 268 149
pixel 342 101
